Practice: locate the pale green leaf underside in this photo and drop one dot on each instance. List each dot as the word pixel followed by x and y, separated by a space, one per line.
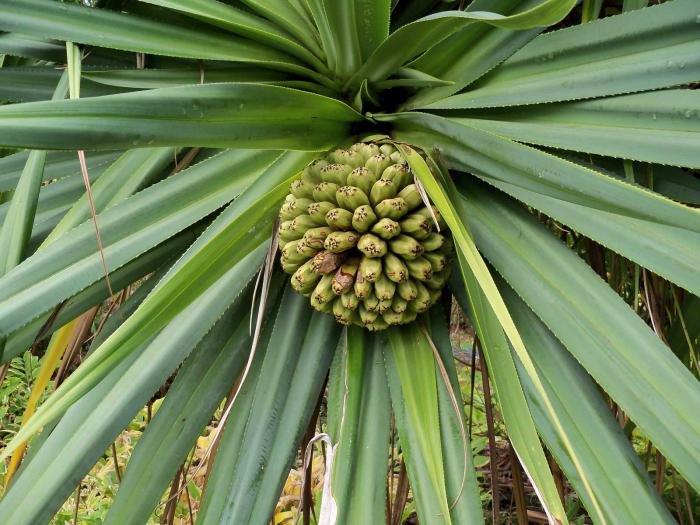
pixel 413 385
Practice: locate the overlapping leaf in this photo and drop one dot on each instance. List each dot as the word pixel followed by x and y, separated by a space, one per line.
pixel 614 345
pixel 67 455
pixel 600 206
pixel 359 403
pixel 64 268
pixel 412 39
pixel 470 53
pixel 105 28
pixel 647 49
pixel 658 126
pixel 271 414
pixel 215 115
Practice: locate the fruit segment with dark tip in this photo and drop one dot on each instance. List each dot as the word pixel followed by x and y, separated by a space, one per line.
pixel 359 241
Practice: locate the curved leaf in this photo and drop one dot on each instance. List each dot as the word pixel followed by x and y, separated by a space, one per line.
pixel 202 382
pixel 108 407
pixel 412 39
pixel 623 488
pixel 601 206
pixel 284 15
pixel 127 175
pixel 413 386
pixel 32 83
pixel 32 47
pixel 19 218
pixel 58 165
pixel 104 28
pixel 616 347
pixel 242 23
pixel 21 339
pixel 511 398
pixel 659 126
pixel 55 200
pixel 237 231
pixel 464 499
pixel 152 78
pixel 646 49
pixel 129 229
pixel 470 53
pixel 214 115
pixel 363 413
pixel 272 412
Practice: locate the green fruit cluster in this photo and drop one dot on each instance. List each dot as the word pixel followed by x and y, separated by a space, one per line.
pixel 359 241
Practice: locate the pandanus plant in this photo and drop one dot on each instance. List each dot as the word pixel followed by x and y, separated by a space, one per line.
pixel 535 151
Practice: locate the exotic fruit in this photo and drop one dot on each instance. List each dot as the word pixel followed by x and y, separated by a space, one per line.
pixel 359 241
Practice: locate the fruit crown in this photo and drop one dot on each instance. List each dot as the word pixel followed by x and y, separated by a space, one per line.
pixel 359 240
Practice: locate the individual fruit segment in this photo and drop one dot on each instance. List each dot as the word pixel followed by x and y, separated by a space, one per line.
pixel 318 210
pixel 391 208
pixel 386 229
pixel 363 288
pixel 370 268
pixel 412 196
pixel 363 218
pixel 437 260
pixel 345 276
pixel 362 178
pixel 293 208
pixel 339 219
pixel 342 315
pixel 339 242
pixel 384 288
pixel 407 290
pixel 335 173
pixel 323 292
pixel 350 300
pixel 398 173
pixel 326 262
pixel 417 226
pixel 350 197
pixel 419 268
pixel 359 241
pixel 372 303
pixel 433 242
pixel 314 237
pixel 372 246
pixel 399 304
pixel 305 278
pixel 392 317
pixel 406 246
pixel 378 163
pixel 381 190
pixel 366 316
pixel 325 191
pixel 300 224
pixel 395 268
pixel 302 189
